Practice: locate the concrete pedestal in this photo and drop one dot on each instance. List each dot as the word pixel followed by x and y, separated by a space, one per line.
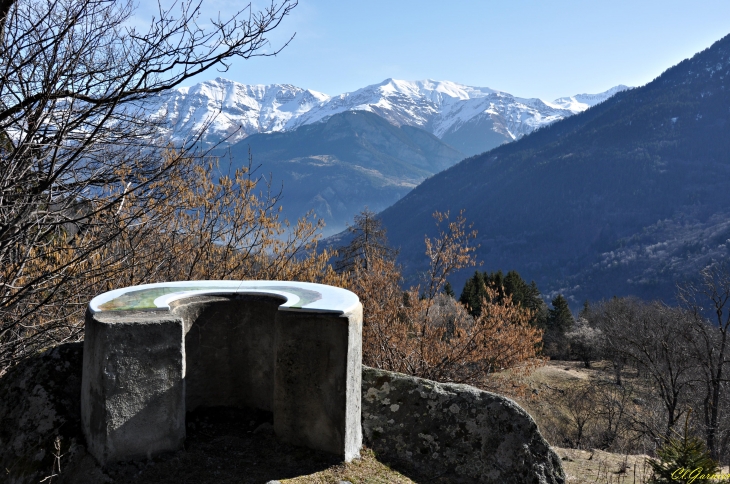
pixel 154 352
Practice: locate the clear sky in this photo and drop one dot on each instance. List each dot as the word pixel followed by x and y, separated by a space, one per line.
pixel 529 48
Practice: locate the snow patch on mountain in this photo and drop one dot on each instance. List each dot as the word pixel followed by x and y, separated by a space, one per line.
pixel 581 102
pixel 227 111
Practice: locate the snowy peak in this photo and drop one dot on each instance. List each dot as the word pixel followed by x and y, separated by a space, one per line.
pixel 232 110
pixel 228 111
pixel 400 102
pixel 443 107
pixel 581 102
pixel 436 91
pixel 413 103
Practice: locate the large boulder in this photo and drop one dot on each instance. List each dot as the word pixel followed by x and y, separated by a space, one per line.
pixel 40 420
pixel 457 433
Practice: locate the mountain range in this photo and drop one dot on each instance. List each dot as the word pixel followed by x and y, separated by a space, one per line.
pixel 617 193
pixel 337 155
pixel 629 197
pixel 342 164
pixel 470 119
pixel 334 162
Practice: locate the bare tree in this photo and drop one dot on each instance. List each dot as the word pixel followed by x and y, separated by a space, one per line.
pixel 579 401
pixel 76 140
pixel 709 304
pixel 653 338
pixel 428 334
pixel 612 412
pixel 614 317
pixel 367 241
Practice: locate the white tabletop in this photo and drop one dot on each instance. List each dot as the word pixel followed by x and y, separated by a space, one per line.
pixel 300 296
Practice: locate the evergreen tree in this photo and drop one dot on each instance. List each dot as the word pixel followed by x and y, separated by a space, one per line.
pixel 496 281
pixel 535 303
pixel 585 310
pixel 513 285
pixel 560 319
pixel 449 291
pixel 684 459
pixel 474 290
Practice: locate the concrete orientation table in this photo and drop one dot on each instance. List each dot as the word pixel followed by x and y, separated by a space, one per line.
pixel 156 351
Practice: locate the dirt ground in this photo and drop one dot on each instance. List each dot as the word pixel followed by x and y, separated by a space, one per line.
pixel 596 466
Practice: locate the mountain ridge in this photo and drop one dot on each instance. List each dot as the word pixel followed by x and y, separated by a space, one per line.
pixel 233 111
pixel 340 165
pixel 624 198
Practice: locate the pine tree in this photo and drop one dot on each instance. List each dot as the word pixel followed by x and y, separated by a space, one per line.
pixel 536 304
pixel 585 310
pixel 473 292
pixel 513 285
pixel 560 319
pixel 559 322
pixel 449 291
pixel 683 459
pixel 496 281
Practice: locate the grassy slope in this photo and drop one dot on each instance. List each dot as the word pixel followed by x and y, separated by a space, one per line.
pixel 581 466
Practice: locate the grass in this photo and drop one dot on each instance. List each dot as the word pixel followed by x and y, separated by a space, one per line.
pixel 596 466
pixel 540 395
pixel 366 470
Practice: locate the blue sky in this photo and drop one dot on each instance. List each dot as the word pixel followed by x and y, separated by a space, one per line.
pixel 529 48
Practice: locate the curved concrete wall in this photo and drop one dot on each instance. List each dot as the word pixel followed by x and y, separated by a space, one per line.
pixel 229 350
pixel 143 369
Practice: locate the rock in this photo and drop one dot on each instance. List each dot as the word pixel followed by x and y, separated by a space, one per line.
pixel 40 413
pixel 456 432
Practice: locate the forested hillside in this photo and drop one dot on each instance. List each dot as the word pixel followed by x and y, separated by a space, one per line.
pixel 338 166
pixel 625 198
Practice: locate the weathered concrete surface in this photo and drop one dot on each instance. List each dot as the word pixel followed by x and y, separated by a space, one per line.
pixel 229 350
pixel 318 381
pixel 132 389
pixel 143 369
pixel 39 402
pixel 457 432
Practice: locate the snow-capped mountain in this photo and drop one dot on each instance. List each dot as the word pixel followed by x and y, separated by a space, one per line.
pixel 472 119
pixel 439 105
pixel 581 102
pixel 232 110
